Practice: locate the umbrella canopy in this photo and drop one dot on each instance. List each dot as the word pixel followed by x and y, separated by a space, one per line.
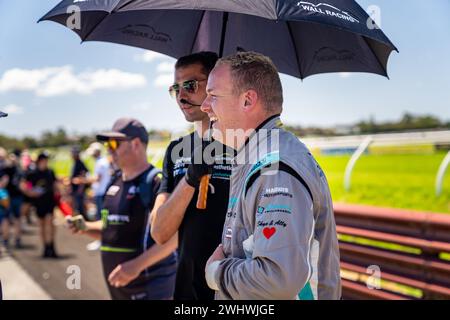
pixel 2 114
pixel 302 37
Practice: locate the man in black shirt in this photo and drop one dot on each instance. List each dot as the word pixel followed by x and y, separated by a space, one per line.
pixel 77 184
pixel 135 268
pixel 199 231
pixel 41 185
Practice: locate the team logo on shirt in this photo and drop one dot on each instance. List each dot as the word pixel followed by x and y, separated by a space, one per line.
pixel 180 166
pixel 118 219
pixel 112 191
pixel 132 192
pixel 273 208
pixel 276 191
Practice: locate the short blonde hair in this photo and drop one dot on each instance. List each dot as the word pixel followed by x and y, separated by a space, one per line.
pixel 254 71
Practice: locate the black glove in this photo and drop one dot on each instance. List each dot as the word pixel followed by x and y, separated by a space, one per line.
pixel 201 165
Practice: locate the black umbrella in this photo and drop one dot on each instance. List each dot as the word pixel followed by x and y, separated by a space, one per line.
pixel 2 114
pixel 302 37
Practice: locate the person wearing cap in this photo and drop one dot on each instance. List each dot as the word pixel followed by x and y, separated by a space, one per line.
pixel 135 267
pixel 78 183
pixel 41 185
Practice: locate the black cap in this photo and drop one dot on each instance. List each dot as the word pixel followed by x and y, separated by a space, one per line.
pixel 43 155
pixel 17 152
pixel 125 128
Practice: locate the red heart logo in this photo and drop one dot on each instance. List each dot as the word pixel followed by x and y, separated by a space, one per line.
pixel 269 232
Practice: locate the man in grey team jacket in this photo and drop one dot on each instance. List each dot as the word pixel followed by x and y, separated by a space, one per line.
pixel 279 238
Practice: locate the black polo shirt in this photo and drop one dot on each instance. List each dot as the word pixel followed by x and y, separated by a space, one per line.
pixel 126 235
pixel 201 230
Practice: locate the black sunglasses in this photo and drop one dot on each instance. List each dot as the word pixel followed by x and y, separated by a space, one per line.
pixel 190 86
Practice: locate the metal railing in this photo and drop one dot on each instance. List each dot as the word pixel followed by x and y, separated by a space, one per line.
pixel 407 246
pixel 360 143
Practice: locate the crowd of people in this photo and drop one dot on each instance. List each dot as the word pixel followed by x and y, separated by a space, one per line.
pixel 267 231
pixel 29 185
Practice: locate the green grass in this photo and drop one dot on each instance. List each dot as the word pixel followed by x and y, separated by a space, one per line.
pixel 391 180
pixel 405 180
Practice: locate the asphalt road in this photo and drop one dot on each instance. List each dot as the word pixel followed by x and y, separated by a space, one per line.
pixel 57 276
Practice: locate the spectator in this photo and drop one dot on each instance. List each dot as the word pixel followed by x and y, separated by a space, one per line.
pixel 41 185
pixel 78 182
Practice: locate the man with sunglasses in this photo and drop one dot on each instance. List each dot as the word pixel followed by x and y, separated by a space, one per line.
pixel 134 266
pixel 199 231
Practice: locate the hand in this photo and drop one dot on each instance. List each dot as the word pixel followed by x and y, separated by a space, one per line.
pixel 77 180
pixel 201 165
pixel 123 274
pixel 66 181
pixel 216 256
pixel 77 225
pixel 72 227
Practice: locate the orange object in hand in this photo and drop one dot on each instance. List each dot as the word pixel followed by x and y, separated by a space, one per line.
pixel 203 192
pixel 204 182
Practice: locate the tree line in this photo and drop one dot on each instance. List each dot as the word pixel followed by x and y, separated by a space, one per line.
pixel 408 122
pixel 60 137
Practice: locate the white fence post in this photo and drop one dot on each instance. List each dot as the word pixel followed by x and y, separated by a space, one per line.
pixel 441 173
pixel 350 165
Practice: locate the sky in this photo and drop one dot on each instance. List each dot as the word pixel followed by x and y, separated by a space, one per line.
pixel 48 79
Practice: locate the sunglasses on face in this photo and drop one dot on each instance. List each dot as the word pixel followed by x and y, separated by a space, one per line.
pixel 114 144
pixel 190 86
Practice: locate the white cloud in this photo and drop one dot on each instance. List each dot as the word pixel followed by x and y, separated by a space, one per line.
pixel 47 82
pixel 12 109
pixel 163 80
pixel 149 56
pixel 142 107
pixel 165 67
pixel 163 76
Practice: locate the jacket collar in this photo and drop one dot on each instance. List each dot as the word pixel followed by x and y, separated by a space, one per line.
pixel 255 138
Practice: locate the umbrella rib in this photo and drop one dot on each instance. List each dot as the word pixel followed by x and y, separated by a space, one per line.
pixel 92 30
pixel 109 13
pixel 198 28
pixel 126 4
pixel 376 57
pixel 295 50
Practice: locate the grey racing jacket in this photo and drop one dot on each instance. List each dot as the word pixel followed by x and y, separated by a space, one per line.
pixel 279 236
